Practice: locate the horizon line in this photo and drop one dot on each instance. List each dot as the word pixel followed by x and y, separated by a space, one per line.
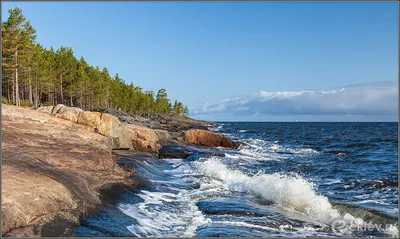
pixel 302 121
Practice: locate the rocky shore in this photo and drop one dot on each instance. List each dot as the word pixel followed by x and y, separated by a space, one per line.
pixel 59 163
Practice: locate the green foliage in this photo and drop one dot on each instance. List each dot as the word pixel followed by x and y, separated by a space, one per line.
pixel 49 77
pixel 18 37
pixel 25 103
pixel 180 110
pixel 4 100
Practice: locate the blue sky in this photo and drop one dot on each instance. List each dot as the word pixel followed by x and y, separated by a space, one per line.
pixel 206 54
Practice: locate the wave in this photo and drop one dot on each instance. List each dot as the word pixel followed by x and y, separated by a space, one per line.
pixel 338 152
pixel 292 192
pixel 276 147
pixel 289 192
pixel 373 184
pixel 216 128
pixel 155 218
pixel 261 150
pixel 285 229
pixel 170 211
pixel 332 181
pixel 372 216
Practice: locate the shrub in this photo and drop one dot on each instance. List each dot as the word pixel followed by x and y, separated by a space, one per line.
pixel 25 103
pixel 4 100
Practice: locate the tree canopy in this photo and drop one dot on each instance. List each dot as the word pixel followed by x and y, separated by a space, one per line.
pixel 34 75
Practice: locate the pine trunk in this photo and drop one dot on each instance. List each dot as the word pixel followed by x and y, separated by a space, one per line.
pixel 8 91
pixel 36 94
pixel 81 100
pixel 61 89
pixel 17 101
pixel 13 89
pixel 30 92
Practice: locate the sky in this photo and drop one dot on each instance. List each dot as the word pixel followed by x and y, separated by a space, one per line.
pixel 280 58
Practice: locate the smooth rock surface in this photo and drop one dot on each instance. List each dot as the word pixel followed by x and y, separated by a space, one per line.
pixel 69 113
pixel 209 139
pixel 52 172
pixel 143 138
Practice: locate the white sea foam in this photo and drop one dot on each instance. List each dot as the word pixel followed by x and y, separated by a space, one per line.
pixel 155 219
pixel 279 148
pixel 304 231
pixel 259 146
pixel 163 214
pixel 170 215
pixel 376 201
pixel 392 231
pixel 286 191
pixel 255 151
pixel 290 192
pixel 218 128
pixel 333 181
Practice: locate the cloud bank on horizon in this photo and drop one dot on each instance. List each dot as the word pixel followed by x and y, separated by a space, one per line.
pixel 376 101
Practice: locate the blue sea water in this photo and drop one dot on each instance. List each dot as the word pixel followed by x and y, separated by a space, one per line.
pixel 291 180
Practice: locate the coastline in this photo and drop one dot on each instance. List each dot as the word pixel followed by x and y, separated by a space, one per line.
pixel 58 166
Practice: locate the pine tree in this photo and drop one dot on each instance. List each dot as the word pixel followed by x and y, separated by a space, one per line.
pixel 65 67
pixel 18 37
pixel 185 111
pixel 39 76
pixel 162 104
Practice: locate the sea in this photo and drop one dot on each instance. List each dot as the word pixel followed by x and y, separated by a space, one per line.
pixel 292 179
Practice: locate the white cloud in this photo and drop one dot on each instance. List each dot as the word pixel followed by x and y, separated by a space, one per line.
pixel 380 98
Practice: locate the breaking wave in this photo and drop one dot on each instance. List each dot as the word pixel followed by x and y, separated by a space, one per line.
pixel 291 192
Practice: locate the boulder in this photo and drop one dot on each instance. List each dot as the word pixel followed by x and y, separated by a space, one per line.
pixel 163 136
pixel 88 118
pixel 124 140
pixel 56 109
pixel 69 113
pixel 143 138
pixel 110 126
pixel 123 136
pixel 175 151
pixel 209 139
pixel 63 112
pixel 104 124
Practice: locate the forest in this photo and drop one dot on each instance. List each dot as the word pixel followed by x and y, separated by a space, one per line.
pixel 33 76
